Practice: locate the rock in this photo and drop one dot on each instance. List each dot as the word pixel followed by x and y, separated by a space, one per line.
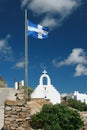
pixel 7 108
pixel 20 120
pixel 20 128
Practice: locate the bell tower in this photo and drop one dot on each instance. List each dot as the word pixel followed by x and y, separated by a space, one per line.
pixel 46 91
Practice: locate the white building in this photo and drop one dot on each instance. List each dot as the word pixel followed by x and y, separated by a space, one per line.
pixel 78 96
pixel 16 84
pixel 46 91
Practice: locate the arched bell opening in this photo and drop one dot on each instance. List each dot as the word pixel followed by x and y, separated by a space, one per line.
pixel 45 80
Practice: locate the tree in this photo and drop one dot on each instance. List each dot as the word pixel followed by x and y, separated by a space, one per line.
pixel 56 117
pixel 77 105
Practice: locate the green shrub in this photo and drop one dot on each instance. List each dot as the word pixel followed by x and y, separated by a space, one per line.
pixel 77 105
pixel 56 117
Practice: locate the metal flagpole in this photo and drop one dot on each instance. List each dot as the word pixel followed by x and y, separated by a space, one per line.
pixel 26 53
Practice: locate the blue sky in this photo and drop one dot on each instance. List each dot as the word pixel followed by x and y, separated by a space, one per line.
pixel 63 54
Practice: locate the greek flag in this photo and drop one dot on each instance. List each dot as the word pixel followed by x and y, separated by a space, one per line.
pixel 37 31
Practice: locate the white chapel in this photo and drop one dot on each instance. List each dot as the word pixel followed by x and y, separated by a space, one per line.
pixel 46 91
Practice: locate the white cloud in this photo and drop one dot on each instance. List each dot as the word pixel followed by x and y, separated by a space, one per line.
pixel 19 64
pixel 51 22
pixel 51 8
pixel 77 57
pixel 24 2
pixel 80 70
pixel 5 49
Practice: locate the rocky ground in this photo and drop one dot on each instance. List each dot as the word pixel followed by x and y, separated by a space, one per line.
pixel 84 116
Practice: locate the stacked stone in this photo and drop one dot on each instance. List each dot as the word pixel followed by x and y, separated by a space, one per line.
pixel 16 113
pixel 20 92
pixel 20 95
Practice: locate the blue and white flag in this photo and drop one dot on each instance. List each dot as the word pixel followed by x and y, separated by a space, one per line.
pixel 37 31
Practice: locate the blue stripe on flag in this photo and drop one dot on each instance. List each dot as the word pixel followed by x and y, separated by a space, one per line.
pixel 45 28
pixel 33 34
pixel 32 24
pixel 45 36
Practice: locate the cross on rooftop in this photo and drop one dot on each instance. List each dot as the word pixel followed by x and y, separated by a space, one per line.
pixel 44 72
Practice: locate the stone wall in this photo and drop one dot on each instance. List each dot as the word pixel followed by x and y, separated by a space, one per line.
pixel 16 115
